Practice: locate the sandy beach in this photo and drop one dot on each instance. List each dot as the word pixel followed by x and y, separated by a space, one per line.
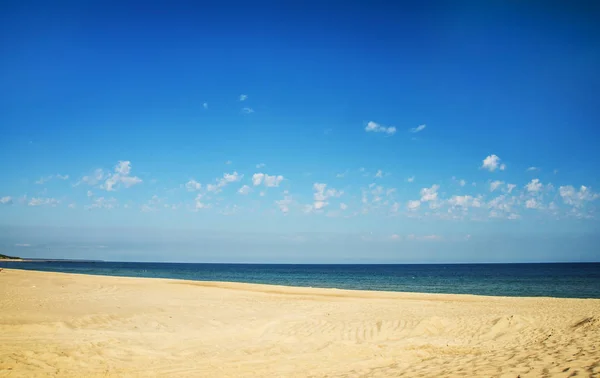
pixel 68 325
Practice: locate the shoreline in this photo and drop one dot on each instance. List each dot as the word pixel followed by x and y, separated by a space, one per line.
pixel 304 290
pixel 305 264
pixel 74 325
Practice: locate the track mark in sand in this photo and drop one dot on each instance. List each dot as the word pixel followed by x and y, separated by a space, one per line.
pixel 95 322
pixel 354 331
pixel 585 323
pixel 112 322
pixel 430 327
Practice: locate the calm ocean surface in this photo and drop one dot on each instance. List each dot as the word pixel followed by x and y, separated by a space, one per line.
pixel 554 280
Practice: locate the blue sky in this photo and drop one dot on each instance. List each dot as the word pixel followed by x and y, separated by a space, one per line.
pixel 300 131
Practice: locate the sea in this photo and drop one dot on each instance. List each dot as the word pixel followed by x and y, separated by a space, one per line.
pixel 564 280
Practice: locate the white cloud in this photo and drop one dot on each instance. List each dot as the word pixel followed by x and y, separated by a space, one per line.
pixel 243 97
pixel 378 191
pixel 568 194
pixel 318 205
pixel 492 162
pixel 92 179
pixel 285 203
pixel 129 181
pixel 39 201
pixel 463 201
pixel 321 195
pixel 152 205
pixel 496 214
pixel 90 193
pixel 532 204
pixel 534 186
pixel 102 203
pixel 260 165
pixel 510 187
pixel 418 128
pixel 502 207
pixel 377 128
pixel 247 110
pixel 319 189
pixel 121 176
pixel 333 193
pixel 95 178
pixel 413 205
pixel 495 185
pixel 462 183
pixel 23 245
pixel 123 167
pixel 429 194
pixel 205 105
pixel 379 173
pixel 198 204
pixel 410 179
pixel 193 185
pixel 343 206
pixel 6 200
pixel 269 181
pixel 43 180
pixel 395 237
pixel 245 190
pixel 531 169
pixel 498 203
pixel 257 178
pixel 72 206
pixel 228 162
pixel 576 198
pixel 272 181
pixel 231 177
pixel 340 175
pixel 221 182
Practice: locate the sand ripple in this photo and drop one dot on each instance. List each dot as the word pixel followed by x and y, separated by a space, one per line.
pixel 54 324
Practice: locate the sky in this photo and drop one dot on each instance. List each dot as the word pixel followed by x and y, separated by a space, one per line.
pixel 356 131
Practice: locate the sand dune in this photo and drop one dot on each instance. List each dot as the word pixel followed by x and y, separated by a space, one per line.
pixel 54 324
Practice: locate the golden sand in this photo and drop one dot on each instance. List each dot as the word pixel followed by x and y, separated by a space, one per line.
pixel 68 325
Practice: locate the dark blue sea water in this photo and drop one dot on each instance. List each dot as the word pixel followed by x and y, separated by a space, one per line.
pixel 580 280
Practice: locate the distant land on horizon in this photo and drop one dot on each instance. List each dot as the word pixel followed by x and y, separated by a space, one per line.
pixel 5 257
pixel 38 259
